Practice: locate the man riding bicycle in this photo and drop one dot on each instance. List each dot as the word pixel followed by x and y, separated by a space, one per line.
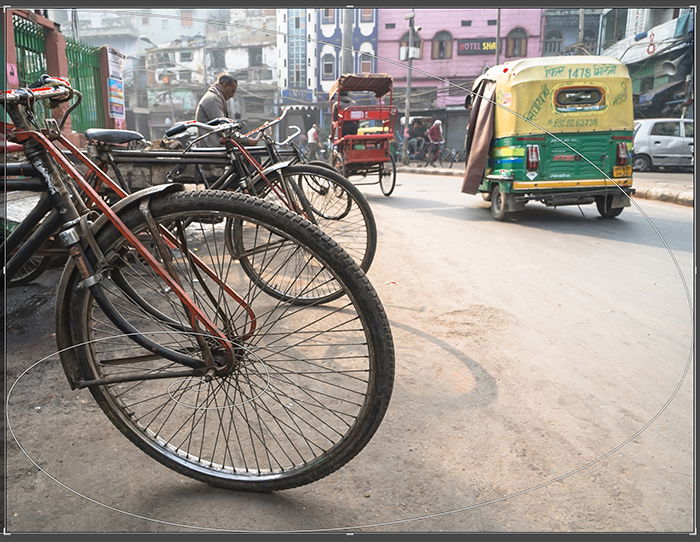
pixel 437 141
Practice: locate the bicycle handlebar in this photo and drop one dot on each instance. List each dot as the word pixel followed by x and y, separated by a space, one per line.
pixel 216 125
pixel 298 131
pixel 46 88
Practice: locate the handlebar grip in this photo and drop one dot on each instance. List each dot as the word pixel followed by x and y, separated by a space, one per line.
pixel 176 129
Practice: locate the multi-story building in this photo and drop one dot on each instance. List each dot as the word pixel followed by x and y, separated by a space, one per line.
pixel 329 51
pixel 453 46
pixel 562 28
pixel 656 45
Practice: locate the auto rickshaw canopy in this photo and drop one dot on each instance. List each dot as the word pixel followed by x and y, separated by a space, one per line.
pixel 379 83
pixel 530 88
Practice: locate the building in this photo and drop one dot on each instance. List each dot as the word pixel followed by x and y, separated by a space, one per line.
pixel 657 46
pixel 562 27
pixel 453 47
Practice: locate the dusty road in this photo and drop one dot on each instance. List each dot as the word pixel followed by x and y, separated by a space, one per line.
pixel 533 359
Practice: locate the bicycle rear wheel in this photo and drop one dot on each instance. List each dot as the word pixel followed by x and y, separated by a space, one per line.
pixel 312 383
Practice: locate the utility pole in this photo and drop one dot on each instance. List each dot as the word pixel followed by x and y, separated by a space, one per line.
pixel 581 20
pixel 346 64
pixel 409 77
pixel 498 37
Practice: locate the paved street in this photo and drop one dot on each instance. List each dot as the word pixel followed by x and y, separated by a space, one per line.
pixel 542 384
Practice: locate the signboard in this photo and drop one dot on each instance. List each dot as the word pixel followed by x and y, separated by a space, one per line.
pixel 12 75
pixel 115 98
pixel 476 46
pixel 298 95
pixel 116 63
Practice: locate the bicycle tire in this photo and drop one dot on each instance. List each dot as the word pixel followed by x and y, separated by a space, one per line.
pixel 388 188
pixel 342 211
pixel 30 271
pixel 306 374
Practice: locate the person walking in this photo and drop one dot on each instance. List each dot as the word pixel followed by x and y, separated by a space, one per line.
pixel 437 140
pixel 314 142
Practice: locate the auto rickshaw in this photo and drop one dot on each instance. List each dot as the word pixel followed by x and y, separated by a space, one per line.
pixel 560 130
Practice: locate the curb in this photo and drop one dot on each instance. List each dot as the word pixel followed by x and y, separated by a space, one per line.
pixel 659 194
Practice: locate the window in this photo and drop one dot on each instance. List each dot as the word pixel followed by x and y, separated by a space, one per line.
pixel 145 19
pixel 417 43
pixel 492 22
pixel 186 17
pixel 442 45
pixel 185 56
pixel 466 23
pixel 689 129
pixel 390 25
pixel 218 58
pixel 297 22
pixel 516 43
pixel 366 15
pixel 255 56
pixel 164 23
pixel 327 16
pixel 570 99
pixel 184 75
pixel 327 68
pixel 365 63
pixel 552 42
pixel 669 128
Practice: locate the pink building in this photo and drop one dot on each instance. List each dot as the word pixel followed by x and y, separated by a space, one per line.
pixel 456 45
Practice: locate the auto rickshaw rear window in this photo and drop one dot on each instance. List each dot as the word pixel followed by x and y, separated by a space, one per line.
pixel 579 99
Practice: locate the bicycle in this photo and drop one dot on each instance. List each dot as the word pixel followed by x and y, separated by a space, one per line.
pixel 186 354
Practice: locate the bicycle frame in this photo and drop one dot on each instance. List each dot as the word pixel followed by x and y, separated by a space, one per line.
pixel 60 211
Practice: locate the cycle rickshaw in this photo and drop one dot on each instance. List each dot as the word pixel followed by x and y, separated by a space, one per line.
pixel 362 134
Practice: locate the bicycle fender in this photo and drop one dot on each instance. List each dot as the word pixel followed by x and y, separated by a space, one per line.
pixel 277 166
pixel 69 360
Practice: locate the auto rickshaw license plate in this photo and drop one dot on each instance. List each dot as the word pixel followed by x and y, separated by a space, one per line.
pixel 622 171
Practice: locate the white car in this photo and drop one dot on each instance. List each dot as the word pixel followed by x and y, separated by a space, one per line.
pixel 663 143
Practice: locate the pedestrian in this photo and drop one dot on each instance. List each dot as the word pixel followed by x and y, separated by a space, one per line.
pixel 436 139
pixel 214 105
pixel 415 134
pixel 313 141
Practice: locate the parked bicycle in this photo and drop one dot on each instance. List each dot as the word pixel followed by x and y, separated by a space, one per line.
pixel 177 312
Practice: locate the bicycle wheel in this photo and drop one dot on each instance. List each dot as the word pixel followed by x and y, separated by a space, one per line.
pixel 334 204
pixel 311 384
pixel 387 178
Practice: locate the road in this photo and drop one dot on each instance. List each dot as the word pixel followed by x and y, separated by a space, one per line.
pixel 542 385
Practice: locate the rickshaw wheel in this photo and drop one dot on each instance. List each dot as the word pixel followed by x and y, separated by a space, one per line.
pixel 603 205
pixel 387 178
pixel 498 203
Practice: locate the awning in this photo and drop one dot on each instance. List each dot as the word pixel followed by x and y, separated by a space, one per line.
pixel 379 83
pixel 648 97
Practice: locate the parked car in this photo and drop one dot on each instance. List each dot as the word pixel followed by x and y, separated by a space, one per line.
pixel 663 143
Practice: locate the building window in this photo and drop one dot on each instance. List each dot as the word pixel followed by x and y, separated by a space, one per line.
pixel 492 22
pixel 516 43
pixel 417 43
pixel 186 18
pixel 184 75
pixel 164 23
pixel 328 16
pixel 297 22
pixel 218 58
pixel 185 56
pixel 390 25
pixel 255 56
pixel 442 45
pixel 366 15
pixel 466 23
pixel 327 68
pixel 145 19
pixel 552 42
pixel 365 63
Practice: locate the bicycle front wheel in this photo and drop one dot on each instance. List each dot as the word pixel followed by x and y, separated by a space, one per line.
pixel 311 384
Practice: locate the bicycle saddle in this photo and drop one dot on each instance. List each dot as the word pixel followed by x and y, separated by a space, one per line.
pixel 112 136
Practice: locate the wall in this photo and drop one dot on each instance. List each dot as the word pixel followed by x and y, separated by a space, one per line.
pixel 459 66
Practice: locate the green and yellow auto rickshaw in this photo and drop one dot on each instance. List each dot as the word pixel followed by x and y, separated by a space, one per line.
pixel 560 132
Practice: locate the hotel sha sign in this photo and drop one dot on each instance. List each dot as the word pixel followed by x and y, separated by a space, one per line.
pixel 476 46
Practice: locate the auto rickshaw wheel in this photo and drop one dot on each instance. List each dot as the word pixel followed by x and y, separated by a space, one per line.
pixel 499 202
pixel 606 211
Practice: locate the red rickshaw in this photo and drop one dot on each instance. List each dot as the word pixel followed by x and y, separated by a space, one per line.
pixel 362 134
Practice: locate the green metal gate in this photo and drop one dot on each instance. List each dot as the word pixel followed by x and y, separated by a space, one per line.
pixel 31 54
pixel 84 75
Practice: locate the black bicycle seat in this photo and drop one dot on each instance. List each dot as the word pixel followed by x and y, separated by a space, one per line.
pixel 112 136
